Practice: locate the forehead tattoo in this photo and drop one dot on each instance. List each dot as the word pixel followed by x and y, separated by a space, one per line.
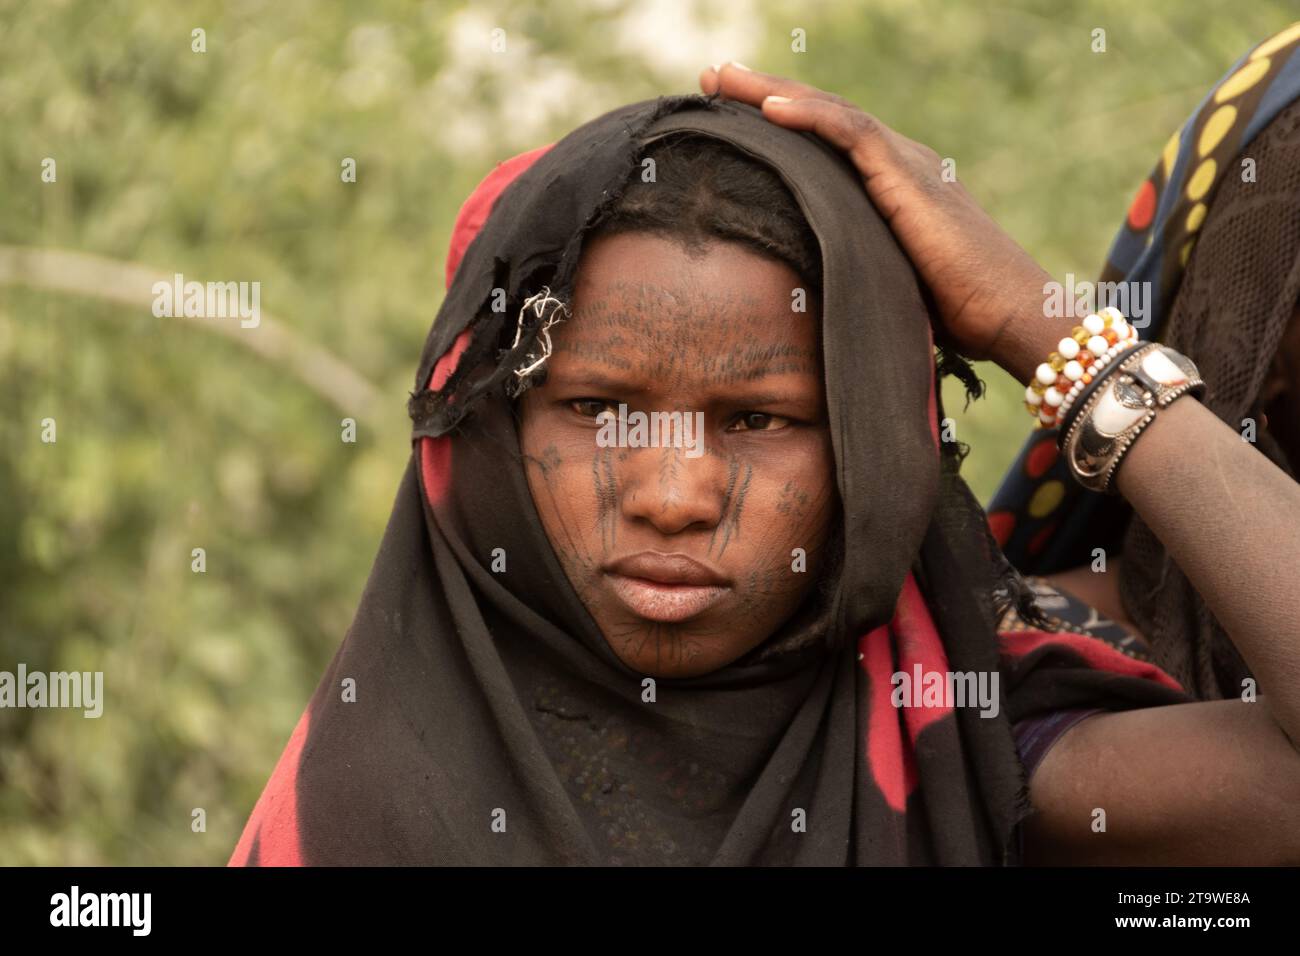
pixel 712 335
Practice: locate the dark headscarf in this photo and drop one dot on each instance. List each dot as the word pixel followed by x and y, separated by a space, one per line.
pixel 1219 243
pixel 492 723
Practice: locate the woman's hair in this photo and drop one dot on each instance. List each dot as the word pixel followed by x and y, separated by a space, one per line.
pixel 703 189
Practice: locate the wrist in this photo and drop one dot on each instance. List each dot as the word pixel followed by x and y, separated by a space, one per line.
pixel 1076 364
pixel 1028 333
pixel 1025 339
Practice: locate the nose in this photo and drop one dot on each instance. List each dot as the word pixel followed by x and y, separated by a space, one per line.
pixel 672 491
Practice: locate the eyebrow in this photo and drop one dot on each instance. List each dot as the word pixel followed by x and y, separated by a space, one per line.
pixel 738 393
pixel 600 382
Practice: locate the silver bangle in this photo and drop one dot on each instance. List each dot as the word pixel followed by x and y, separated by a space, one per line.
pixel 1148 379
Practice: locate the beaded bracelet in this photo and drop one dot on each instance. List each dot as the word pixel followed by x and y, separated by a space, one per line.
pixel 1111 418
pixel 1077 399
pixel 1090 347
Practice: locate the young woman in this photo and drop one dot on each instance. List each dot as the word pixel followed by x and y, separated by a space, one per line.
pixel 782 649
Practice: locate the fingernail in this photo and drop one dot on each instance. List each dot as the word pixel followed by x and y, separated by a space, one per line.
pixel 776 99
pixel 741 66
pixel 717 68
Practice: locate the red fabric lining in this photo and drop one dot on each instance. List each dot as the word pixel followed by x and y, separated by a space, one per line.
pixel 1097 654
pixel 915 639
pixel 273 824
pixel 475 210
pixel 435 453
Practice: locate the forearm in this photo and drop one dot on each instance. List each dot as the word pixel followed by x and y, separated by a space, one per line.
pixel 1207 783
pixel 1230 518
pixel 1227 515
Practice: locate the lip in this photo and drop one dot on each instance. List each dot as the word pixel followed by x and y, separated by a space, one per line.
pixel 668 603
pixel 666 587
pixel 664 567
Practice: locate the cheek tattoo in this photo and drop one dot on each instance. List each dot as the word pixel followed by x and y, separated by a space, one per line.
pixel 606 491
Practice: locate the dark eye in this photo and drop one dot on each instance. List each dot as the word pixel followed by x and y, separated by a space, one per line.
pixel 759 422
pixel 591 407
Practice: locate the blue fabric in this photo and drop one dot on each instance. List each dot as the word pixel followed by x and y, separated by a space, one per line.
pixel 1035 736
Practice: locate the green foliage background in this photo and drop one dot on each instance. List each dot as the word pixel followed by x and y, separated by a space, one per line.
pixel 225 165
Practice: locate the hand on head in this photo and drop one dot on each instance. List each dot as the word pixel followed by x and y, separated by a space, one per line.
pixel 982 280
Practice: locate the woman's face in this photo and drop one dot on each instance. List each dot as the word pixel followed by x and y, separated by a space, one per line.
pixel 689 554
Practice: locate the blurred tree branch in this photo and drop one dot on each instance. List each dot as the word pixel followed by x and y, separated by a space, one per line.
pixel 62 270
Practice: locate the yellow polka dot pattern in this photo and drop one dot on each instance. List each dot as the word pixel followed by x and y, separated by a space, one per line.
pixel 1046 498
pixel 1216 127
pixel 1271 46
pixel 1201 180
pixel 1220 124
pixel 1170 154
pixel 1241 81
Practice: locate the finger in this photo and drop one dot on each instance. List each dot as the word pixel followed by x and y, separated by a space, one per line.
pixel 867 140
pixel 709 79
pixel 737 82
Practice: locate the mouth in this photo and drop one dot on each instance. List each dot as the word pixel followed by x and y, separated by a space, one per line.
pixel 668 603
pixel 666 587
